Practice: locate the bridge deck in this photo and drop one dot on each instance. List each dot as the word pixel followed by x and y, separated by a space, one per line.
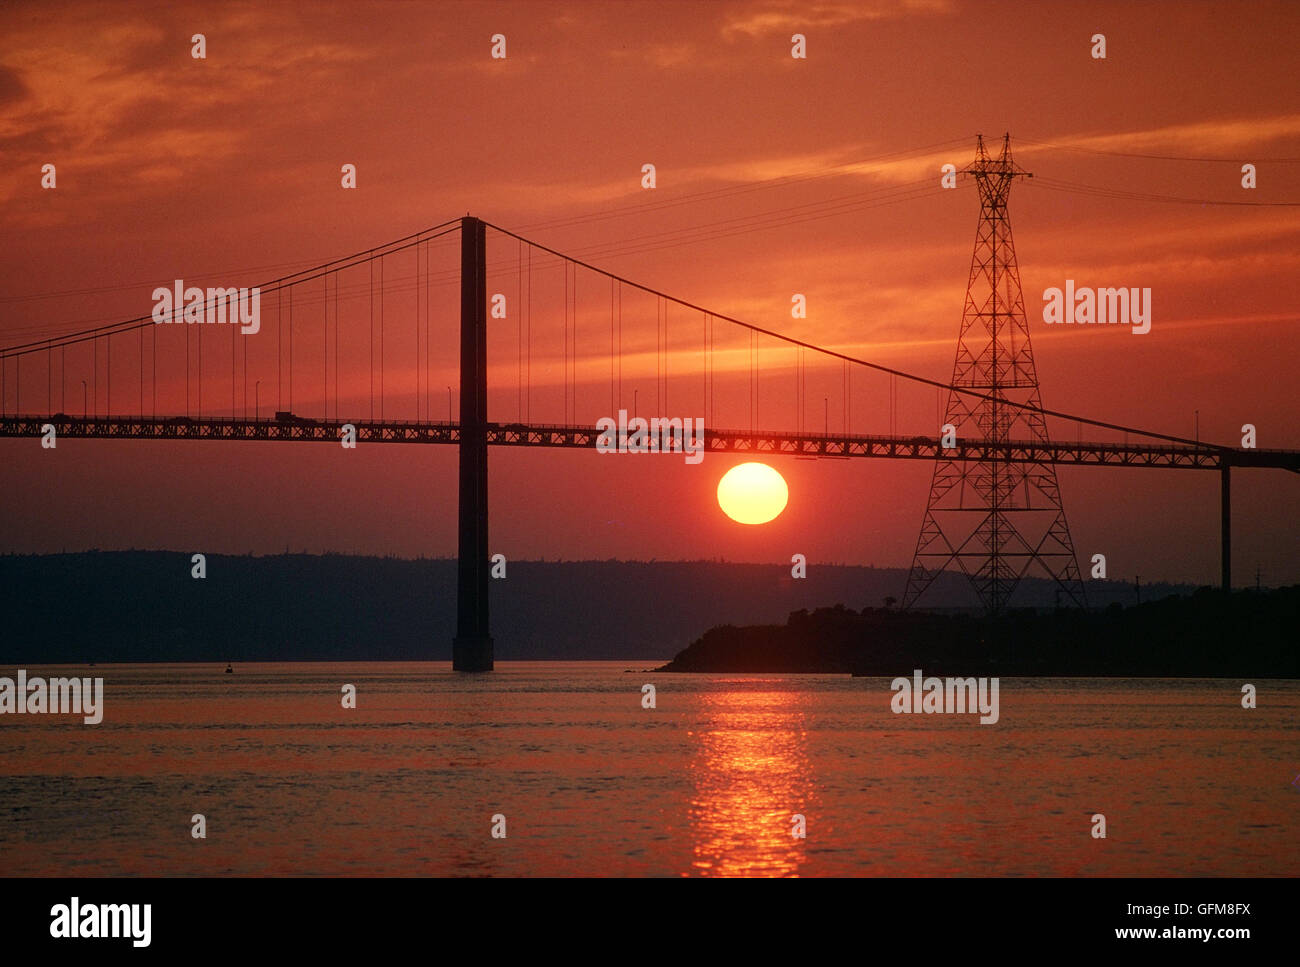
pixel 1204 457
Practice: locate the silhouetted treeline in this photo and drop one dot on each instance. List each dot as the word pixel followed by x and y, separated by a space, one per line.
pixel 1207 634
pixel 145 606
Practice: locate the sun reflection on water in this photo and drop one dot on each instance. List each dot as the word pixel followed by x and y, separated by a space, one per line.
pixel 751 775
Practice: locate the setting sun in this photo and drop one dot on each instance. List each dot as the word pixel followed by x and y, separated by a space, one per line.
pixel 752 493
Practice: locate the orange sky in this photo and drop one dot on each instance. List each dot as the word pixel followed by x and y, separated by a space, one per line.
pixel 227 169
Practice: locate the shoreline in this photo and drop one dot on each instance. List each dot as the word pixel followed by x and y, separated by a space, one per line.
pixel 1209 634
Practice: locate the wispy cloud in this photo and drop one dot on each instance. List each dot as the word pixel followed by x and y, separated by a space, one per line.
pixel 1196 140
pixel 781 18
pixel 776 171
pixel 125 94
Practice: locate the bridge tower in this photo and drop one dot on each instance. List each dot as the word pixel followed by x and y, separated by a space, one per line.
pixel 995 519
pixel 471 649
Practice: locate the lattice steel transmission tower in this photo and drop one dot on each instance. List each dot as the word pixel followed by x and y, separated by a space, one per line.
pixel 995 518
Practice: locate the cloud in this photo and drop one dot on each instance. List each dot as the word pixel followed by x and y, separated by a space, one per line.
pixel 1196 140
pixel 691 184
pixel 12 88
pixel 122 94
pixel 781 19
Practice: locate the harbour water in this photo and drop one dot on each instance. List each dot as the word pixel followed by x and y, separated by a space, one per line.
pixel 590 782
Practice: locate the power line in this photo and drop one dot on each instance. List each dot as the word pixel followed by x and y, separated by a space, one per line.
pixel 780 181
pixel 99 290
pixel 1153 157
pixel 1056 184
pixel 305 275
pixel 759 330
pixel 276 285
pixel 702 232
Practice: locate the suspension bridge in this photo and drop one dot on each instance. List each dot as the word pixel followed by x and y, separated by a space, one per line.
pixel 999 460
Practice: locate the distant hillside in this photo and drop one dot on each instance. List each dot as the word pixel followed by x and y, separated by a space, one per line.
pixel 1208 634
pixel 143 605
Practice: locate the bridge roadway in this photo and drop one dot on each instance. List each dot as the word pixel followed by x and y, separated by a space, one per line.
pixel 1173 456
pixel 472 648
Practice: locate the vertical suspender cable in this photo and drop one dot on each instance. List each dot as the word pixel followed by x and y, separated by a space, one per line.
pixel 519 318
pixel 528 373
pixel 420 310
pixel 325 346
pixel 620 345
pixel 290 349
pixel 611 347
pixel 565 266
pixel 371 261
pixel 279 352
pixel 336 345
